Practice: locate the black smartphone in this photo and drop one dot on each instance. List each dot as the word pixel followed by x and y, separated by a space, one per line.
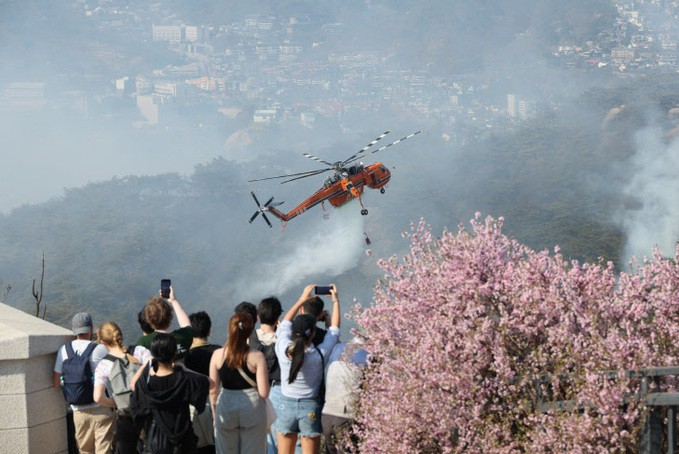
pixel 165 288
pixel 322 290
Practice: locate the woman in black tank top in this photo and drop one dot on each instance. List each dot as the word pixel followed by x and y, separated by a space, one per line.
pixel 239 409
pixel 232 379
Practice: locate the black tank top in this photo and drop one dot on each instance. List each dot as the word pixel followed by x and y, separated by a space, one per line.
pixel 232 379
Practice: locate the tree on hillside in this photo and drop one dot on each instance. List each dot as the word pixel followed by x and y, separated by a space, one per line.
pixel 473 334
pixel 37 294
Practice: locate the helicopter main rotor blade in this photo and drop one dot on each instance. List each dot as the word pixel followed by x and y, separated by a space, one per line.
pixel 382 148
pixel 304 176
pixel 308 172
pixel 266 219
pixel 362 150
pixel 315 158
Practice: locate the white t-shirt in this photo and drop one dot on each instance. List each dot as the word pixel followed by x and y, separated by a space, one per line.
pixel 342 377
pixel 103 371
pixel 309 378
pixel 79 346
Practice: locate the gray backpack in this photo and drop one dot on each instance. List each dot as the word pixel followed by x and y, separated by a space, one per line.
pixel 118 385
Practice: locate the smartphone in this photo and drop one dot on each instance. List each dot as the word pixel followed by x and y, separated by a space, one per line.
pixel 165 288
pixel 322 290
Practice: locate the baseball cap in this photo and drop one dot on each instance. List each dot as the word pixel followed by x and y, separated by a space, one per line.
pixel 303 325
pixel 82 322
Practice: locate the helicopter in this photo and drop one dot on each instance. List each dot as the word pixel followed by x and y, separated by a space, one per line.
pixel 347 182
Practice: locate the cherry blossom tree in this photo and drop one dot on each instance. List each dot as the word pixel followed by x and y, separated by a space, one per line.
pixel 481 345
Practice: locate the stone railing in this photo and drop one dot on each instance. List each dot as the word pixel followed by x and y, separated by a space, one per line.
pixel 32 411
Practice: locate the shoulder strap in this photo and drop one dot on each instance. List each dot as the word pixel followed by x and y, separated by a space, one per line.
pixel 69 349
pixel 321 393
pixel 247 379
pixel 147 371
pixel 110 357
pixel 90 348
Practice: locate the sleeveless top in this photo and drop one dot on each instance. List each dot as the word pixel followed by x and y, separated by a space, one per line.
pixel 232 379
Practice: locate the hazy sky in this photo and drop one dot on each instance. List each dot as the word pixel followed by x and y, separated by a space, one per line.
pixel 45 151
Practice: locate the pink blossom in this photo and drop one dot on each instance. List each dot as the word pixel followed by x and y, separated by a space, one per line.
pixel 474 336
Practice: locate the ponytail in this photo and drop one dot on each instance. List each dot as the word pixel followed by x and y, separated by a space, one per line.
pixel 236 347
pixel 296 352
pixel 303 329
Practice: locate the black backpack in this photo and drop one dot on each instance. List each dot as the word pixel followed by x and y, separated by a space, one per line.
pixel 78 376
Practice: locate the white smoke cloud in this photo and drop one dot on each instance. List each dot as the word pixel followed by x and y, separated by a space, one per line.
pixel 654 184
pixel 333 246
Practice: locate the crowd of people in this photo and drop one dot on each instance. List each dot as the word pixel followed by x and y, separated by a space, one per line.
pixel 279 388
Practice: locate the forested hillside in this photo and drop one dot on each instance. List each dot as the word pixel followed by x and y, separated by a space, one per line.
pixel 557 181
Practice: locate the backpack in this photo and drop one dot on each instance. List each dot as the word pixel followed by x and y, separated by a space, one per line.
pixel 271 361
pixel 78 376
pixel 118 385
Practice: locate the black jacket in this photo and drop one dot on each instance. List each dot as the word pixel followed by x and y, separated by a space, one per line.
pixel 169 408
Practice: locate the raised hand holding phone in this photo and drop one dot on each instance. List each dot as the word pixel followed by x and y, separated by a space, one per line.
pixel 165 288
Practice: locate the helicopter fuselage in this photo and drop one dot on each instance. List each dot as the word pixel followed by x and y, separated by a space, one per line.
pixel 346 185
pixel 347 182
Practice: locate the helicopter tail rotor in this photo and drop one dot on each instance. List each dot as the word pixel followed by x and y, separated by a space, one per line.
pixel 262 209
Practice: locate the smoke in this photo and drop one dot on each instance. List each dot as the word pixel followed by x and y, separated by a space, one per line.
pixel 333 246
pixel 655 186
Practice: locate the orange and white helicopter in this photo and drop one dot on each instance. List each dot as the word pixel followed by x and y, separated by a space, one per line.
pixel 346 183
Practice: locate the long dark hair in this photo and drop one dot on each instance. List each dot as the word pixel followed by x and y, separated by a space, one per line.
pixel 303 329
pixel 236 347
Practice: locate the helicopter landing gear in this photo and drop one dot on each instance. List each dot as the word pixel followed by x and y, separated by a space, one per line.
pixel 382 191
pixel 364 212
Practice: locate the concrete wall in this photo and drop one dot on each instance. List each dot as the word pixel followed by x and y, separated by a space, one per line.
pixel 32 411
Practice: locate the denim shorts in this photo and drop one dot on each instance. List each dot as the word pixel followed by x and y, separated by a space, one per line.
pixel 299 416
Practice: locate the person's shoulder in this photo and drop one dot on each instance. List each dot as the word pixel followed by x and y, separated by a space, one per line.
pixel 104 365
pixel 254 342
pixel 140 349
pixel 209 348
pixel 217 351
pixel 141 352
pixel 337 349
pixel 266 338
pixel 190 376
pixel 145 341
pixel 285 325
pixel 256 355
pixel 184 329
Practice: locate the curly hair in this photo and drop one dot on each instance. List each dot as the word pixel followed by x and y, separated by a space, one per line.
pixel 158 313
